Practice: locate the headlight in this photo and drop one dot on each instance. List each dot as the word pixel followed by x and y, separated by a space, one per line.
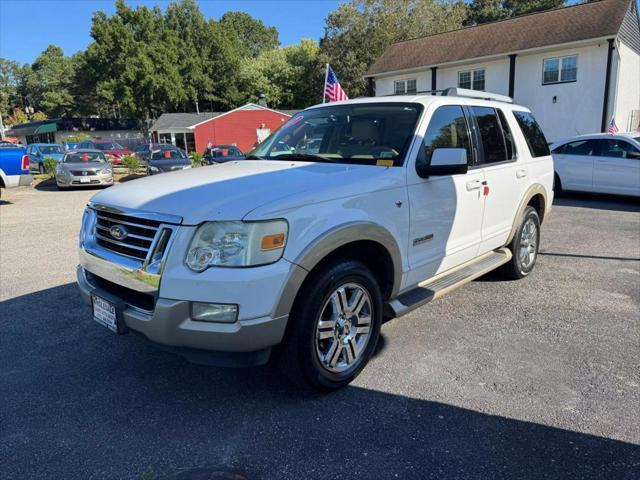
pixel 153 169
pixel 236 244
pixel 186 166
pixel 105 171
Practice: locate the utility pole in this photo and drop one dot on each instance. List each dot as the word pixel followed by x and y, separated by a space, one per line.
pixel 1 127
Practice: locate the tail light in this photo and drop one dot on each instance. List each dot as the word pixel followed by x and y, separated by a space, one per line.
pixel 25 162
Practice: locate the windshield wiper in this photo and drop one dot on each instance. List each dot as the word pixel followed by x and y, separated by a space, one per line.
pixel 303 156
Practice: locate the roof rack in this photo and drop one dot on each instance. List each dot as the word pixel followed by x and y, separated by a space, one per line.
pixel 461 92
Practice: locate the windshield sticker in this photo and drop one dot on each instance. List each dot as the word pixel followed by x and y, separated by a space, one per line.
pixel 167 154
pixel 384 163
pixel 85 157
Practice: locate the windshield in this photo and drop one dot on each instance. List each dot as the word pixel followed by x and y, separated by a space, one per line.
pixel 51 149
pixel 108 146
pixel 367 134
pixel 221 152
pixel 84 157
pixel 168 154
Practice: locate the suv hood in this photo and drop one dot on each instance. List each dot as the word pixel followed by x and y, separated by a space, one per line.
pixel 229 191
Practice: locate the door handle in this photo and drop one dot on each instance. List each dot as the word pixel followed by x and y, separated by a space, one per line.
pixel 474 185
pixel 521 173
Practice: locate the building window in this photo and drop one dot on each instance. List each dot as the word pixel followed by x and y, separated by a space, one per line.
pixel 471 79
pixel 405 87
pixel 559 70
pixel 165 138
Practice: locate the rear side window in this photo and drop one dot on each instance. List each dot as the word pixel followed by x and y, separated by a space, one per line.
pixel 494 143
pixel 447 129
pixel 579 147
pixel 532 134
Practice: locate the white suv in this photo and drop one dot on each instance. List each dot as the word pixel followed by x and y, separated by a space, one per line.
pixel 350 213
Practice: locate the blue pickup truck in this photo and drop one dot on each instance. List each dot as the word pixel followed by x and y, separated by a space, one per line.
pixel 14 167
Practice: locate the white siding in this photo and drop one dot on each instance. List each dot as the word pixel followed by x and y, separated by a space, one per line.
pixel 578 107
pixel 496 75
pixel 627 96
pixel 385 85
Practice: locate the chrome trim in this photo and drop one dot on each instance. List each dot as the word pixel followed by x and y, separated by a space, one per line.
pixel 122 222
pixel 132 235
pixel 158 217
pixel 142 275
pixel 115 242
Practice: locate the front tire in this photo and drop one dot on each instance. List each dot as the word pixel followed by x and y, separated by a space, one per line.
pixel 557 185
pixel 333 328
pixel 524 246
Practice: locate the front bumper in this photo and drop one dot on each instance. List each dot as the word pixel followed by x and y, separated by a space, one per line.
pixel 76 181
pixel 169 324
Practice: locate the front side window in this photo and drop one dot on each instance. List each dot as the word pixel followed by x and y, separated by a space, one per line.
pixel 405 87
pixel 533 135
pixel 366 134
pixel 472 79
pixel 579 147
pixel 615 148
pixel 559 70
pixel 494 145
pixel 447 129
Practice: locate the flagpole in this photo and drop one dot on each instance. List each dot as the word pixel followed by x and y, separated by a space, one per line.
pixel 324 88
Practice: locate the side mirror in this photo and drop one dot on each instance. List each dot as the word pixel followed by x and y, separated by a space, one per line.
pixel 445 161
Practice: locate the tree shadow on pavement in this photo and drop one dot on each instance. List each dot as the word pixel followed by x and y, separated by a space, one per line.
pixel 79 402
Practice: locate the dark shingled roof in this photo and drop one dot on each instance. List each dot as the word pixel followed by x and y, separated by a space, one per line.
pixel 563 25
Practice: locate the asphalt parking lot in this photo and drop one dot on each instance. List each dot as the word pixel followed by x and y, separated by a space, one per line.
pixel 538 378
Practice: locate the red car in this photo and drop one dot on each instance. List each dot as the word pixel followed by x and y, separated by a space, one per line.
pixel 112 150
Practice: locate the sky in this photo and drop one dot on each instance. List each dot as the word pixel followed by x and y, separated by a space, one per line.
pixel 27 27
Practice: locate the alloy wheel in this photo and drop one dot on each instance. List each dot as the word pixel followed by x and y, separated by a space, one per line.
pixel 528 244
pixel 343 329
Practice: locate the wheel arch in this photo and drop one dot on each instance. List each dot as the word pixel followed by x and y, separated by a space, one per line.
pixel 368 242
pixel 536 197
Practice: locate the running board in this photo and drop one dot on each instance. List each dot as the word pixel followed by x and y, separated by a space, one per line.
pixel 446 282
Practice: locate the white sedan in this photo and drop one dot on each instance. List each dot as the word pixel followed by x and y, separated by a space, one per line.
pixel 601 163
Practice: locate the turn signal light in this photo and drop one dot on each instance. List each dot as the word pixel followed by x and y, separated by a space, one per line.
pixel 271 242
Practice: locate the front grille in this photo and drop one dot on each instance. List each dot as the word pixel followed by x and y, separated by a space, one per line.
pixel 81 173
pixel 137 299
pixel 141 232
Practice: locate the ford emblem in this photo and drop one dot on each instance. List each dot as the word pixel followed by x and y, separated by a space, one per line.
pixel 119 232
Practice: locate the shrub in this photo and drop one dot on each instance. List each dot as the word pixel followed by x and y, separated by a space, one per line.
pixel 80 137
pixel 131 163
pixel 197 160
pixel 50 165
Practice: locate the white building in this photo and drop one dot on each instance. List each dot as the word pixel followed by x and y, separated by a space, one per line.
pixel 574 67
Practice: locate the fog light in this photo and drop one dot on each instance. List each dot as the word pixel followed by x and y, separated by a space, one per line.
pixel 214 312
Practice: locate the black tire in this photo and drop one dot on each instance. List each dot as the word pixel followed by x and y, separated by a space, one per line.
pixel 62 189
pixel 518 268
pixel 557 185
pixel 41 168
pixel 298 357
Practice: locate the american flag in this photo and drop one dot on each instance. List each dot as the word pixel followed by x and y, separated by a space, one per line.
pixel 332 89
pixel 613 128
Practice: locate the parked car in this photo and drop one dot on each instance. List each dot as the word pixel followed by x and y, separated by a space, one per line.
pixel 167 158
pixel 143 152
pixel 14 167
pixel 113 151
pixel 600 163
pixel 222 154
pixel 84 168
pixel 408 198
pixel 39 151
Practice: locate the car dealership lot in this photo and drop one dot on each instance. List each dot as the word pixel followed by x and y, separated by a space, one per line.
pixel 538 378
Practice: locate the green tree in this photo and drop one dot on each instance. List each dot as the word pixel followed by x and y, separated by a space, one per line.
pixel 255 37
pixel 358 32
pixel 50 81
pixel 483 11
pixel 134 62
pixel 8 86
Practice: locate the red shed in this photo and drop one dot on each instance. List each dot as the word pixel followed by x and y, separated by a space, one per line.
pixel 244 127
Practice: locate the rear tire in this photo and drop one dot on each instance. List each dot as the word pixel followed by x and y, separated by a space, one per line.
pixel 524 247
pixel 41 168
pixel 333 328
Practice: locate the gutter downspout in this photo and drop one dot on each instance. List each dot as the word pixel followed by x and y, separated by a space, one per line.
pixel 607 81
pixel 434 76
pixel 512 74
